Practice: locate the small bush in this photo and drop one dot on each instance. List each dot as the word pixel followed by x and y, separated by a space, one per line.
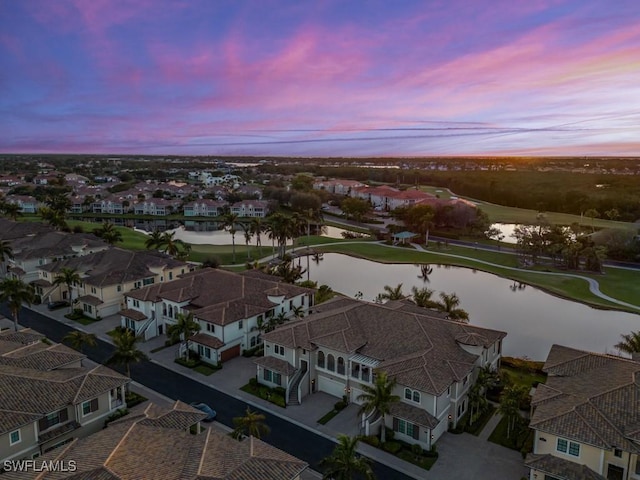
pixel 389 433
pixel 391 447
pixel 341 405
pixel 121 412
pixel 132 399
pixel 280 391
pixel 253 382
pixel 372 440
pixel 433 453
pixel 191 363
pixel 416 449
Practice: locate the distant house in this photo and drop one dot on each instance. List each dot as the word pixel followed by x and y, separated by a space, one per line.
pixel 166 443
pixel 586 417
pixel 344 344
pixel 27 203
pixel 48 398
pixel 204 208
pixel 231 309
pixel 339 187
pixel 155 206
pixel 112 205
pixel 107 276
pixel 251 208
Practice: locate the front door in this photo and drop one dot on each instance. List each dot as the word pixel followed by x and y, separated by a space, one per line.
pixel 160 329
pixel 303 365
pixel 615 473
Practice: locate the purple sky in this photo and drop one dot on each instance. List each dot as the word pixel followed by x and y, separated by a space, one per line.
pixel 320 78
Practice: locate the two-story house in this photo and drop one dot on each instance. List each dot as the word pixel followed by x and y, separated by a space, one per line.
pixel 155 206
pixel 231 309
pixel 27 203
pixel 107 276
pixel 340 350
pixel 47 398
pixel 586 417
pixel 250 208
pixel 204 208
pixel 35 251
pixel 160 442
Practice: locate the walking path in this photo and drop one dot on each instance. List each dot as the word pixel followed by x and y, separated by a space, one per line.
pixel 490 426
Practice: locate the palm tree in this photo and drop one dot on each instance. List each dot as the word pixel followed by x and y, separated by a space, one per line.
pixel 449 305
pixel 15 292
pixel 108 233
pixel 172 246
pixel 229 221
pixel 246 229
pixel 12 210
pixel 68 276
pixel 126 352
pixel 425 271
pixel 422 297
pixel 184 328
pixel 477 401
pixel 251 424
pixel 510 400
pixel 378 398
pixel 392 293
pixel 345 463
pixel 53 217
pixel 6 253
pixel 257 227
pixel 298 311
pixel 630 343
pixel 79 339
pixel 154 240
pixel 592 213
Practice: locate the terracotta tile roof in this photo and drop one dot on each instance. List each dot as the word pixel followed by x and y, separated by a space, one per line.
pixel 116 266
pixel 591 398
pixel 207 340
pixel 413 414
pixel 55 244
pixel 276 364
pixel 421 351
pixel 135 447
pixel 132 314
pixel 38 392
pixel 90 300
pixel 10 230
pixel 40 356
pixel 560 468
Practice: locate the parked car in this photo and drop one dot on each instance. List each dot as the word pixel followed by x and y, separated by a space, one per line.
pixel 57 304
pixel 203 407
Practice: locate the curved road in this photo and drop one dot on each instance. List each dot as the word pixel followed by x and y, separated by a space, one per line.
pixel 298 441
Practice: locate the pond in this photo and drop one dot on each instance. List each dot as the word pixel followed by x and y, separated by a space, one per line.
pixel 222 237
pixel 533 319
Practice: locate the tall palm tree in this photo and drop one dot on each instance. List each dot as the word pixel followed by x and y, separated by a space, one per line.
pixel 510 400
pixel 449 304
pixel 154 240
pixel 126 351
pixel 246 229
pixel 184 328
pixel 68 276
pixel 345 463
pixel 15 292
pixel 108 233
pixel 55 218
pixel 251 424
pixel 280 230
pixel 12 210
pixel 229 221
pixel 630 343
pixel 6 253
pixel 422 297
pixel 378 398
pixel 79 339
pixel 392 293
pixel 257 229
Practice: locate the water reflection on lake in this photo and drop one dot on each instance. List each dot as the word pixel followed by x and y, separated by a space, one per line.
pixel 223 237
pixel 533 319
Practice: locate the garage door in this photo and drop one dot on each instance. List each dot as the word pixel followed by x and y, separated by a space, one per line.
pixel 230 353
pixel 330 386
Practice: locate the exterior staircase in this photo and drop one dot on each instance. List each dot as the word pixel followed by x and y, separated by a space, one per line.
pixel 293 389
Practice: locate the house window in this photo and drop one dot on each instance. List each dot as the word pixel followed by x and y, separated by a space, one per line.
pixel 53 419
pixel 87 308
pixel 355 370
pixel 565 446
pixel 240 323
pixel 279 350
pixel 405 427
pixel 617 452
pixel 290 304
pixel 136 303
pixel 253 341
pixel 93 289
pixel 89 407
pixel 14 437
pixel 277 378
pixel 170 275
pixel 119 288
pixel 416 396
pixel 407 393
pixel 321 359
pixel 147 281
pixel 211 327
pixel 341 365
pixel 267 375
pixel 365 374
pixel 331 363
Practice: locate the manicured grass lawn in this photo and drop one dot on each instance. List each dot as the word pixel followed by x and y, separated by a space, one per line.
pixel 513 441
pixel 523 377
pixel 419 460
pixel 327 418
pixel 561 285
pixel 80 319
pixel 479 424
pixel 503 214
pixel 205 369
pixel 266 393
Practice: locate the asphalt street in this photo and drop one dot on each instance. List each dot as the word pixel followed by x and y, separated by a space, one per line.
pixel 300 442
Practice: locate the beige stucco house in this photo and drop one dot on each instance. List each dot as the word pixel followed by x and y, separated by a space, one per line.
pixel 229 307
pixel 341 347
pixel 48 398
pixel 586 418
pixel 106 277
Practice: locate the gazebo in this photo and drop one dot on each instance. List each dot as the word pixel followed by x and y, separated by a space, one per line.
pixel 402 237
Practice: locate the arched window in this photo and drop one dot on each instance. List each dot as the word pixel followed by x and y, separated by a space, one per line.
pixel 341 365
pixel 407 393
pixel 321 359
pixel 416 396
pixel 164 309
pixel 331 363
pixel 170 311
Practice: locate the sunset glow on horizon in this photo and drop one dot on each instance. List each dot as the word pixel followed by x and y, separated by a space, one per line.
pixel 290 78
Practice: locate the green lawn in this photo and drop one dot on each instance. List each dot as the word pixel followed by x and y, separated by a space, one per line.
pixel 205 369
pixel 503 214
pixel 512 440
pixel 327 417
pixel 523 377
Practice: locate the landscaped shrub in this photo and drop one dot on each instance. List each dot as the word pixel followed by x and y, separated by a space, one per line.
pixel 132 399
pixel 280 391
pixel 372 440
pixel 253 382
pixel 416 449
pixel 341 405
pixel 391 447
pixel 191 363
pixel 432 453
pixel 278 400
pixel 121 412
pixel 389 433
